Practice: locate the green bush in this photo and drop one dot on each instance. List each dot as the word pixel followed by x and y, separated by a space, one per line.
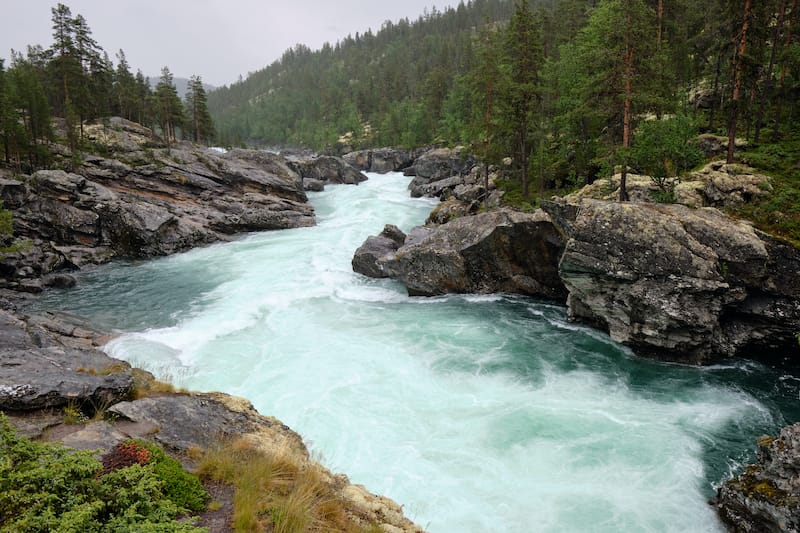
pixel 46 487
pixel 179 485
pixel 663 149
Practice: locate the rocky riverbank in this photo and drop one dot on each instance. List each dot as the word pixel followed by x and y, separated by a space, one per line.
pixel 141 198
pixel 57 386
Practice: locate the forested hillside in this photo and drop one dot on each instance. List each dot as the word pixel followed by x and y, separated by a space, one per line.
pixel 569 88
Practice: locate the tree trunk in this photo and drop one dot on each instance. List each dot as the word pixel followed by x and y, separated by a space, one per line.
pixel 762 104
pixel 779 106
pixel 524 158
pixel 714 103
pixel 660 21
pixel 488 121
pixel 737 85
pixel 626 114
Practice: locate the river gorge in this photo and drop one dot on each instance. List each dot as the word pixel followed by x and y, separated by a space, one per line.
pixel 476 413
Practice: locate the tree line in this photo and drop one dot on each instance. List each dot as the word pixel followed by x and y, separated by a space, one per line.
pixel 571 89
pixel 75 80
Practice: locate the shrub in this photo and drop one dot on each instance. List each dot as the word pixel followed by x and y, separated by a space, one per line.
pixel 47 487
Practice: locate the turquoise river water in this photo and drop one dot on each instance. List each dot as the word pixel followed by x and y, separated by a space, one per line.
pixel 476 413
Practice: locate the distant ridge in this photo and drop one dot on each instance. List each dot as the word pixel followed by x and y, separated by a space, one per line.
pixel 180 84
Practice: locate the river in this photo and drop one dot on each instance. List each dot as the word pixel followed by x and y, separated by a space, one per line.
pixel 476 413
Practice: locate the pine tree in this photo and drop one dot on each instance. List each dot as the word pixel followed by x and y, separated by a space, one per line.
pixel 616 50
pixel 737 81
pixel 167 107
pixel 124 88
pixel 66 66
pixel 519 94
pixel 199 120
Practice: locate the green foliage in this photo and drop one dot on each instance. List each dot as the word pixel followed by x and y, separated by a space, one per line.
pixel 179 486
pixel 6 222
pixel 778 212
pixel 664 149
pixel 45 487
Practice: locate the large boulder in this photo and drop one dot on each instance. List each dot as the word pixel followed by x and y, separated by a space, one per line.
pixel 766 496
pixel 369 257
pixel 498 251
pixel 327 169
pixel 435 165
pixel 185 421
pixel 682 284
pixel 381 160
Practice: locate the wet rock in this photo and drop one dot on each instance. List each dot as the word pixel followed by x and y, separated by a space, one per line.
pixel 327 169
pixel 157 201
pixel 441 163
pixel 381 160
pixel 310 184
pixel 766 496
pixel 367 258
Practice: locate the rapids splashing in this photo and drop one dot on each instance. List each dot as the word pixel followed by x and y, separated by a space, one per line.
pixel 477 413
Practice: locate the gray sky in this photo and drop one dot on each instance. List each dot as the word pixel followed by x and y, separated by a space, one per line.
pixel 217 39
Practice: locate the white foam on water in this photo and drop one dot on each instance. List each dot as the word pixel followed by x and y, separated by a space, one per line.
pixel 469 410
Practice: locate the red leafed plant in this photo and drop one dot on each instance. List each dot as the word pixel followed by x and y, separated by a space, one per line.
pixel 125 454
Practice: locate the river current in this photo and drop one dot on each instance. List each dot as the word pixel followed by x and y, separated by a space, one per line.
pixel 476 413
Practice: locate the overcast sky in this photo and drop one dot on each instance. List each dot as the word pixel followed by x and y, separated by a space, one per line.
pixel 217 39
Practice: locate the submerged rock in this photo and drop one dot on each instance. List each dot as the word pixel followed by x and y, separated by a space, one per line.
pixel 682 284
pixel 766 496
pixel 499 251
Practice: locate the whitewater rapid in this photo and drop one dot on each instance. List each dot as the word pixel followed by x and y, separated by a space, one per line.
pixel 476 413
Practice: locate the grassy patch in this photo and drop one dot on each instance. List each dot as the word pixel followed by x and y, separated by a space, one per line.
pixel 779 212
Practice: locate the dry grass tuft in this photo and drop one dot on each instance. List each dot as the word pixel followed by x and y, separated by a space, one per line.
pixel 277 490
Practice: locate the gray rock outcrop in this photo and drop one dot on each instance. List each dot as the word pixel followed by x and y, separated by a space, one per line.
pixel 49 362
pixel 687 285
pixel 435 166
pixel 498 251
pixel 766 496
